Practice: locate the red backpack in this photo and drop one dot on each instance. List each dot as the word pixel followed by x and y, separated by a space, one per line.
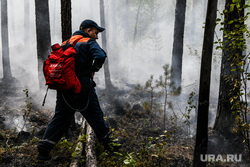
pixel 59 68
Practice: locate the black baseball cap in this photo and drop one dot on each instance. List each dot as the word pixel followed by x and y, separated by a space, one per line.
pixel 90 23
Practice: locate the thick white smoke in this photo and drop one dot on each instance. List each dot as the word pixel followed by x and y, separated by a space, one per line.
pixel 130 61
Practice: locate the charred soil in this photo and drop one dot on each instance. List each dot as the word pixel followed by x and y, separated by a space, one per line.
pixel 142 139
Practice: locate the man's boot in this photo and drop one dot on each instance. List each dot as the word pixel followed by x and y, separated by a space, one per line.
pixel 110 145
pixel 44 149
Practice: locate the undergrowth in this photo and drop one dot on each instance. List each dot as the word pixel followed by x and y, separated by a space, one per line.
pixel 145 146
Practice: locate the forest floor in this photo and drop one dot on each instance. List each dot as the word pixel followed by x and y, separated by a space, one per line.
pixel 143 143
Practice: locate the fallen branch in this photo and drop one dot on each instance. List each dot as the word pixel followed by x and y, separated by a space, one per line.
pixel 79 147
pixel 91 160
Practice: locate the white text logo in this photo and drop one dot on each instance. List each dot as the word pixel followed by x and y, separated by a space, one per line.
pixel 222 158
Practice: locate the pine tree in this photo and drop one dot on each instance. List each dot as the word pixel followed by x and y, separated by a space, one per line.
pixel 66 19
pixel 7 75
pixel 43 36
pixel 177 51
pixel 225 119
pixel 204 90
pixel 108 82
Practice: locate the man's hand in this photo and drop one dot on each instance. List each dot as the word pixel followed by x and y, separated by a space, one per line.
pixel 94 68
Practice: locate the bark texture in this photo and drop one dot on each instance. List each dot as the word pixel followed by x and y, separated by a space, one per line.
pixel 177 51
pixel 79 147
pixel 91 160
pixel 108 82
pixel 225 119
pixel 205 78
pixel 7 75
pixel 43 36
pixel 66 19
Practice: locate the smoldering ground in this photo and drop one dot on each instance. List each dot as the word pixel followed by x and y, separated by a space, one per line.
pixel 133 57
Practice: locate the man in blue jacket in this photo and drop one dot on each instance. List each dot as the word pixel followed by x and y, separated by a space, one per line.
pixel 90 58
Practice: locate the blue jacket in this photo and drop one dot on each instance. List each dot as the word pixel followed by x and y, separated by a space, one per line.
pixel 90 56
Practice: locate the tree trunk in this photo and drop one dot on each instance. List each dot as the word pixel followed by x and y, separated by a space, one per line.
pixel 75 162
pixel 205 8
pixel 225 119
pixel 165 105
pixel 7 75
pixel 205 76
pixel 192 35
pixel 136 23
pixel 66 19
pixel 127 22
pixel 177 52
pixel 26 37
pixel 43 36
pixel 66 26
pixel 114 24
pixel 151 106
pixel 108 82
pixel 91 160
pixel 12 20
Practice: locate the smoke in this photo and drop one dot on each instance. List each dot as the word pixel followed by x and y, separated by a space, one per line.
pixel 137 60
pixel 16 122
pixel 130 61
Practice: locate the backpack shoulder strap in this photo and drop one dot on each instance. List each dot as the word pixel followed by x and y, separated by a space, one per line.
pixel 85 40
pixel 76 40
pixel 65 45
pixel 73 40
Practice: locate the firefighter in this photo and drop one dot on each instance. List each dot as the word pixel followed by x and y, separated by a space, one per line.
pixel 89 59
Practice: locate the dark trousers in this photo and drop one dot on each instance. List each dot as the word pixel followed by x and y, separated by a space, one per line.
pixel 64 112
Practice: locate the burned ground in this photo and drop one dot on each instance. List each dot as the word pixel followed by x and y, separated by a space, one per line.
pixel 143 142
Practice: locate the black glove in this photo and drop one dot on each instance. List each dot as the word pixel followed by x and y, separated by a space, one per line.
pixel 92 83
pixel 94 68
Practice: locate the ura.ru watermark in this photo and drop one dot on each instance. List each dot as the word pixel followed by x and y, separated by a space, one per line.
pixel 221 157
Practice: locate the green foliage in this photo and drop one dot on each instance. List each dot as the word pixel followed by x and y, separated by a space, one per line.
pixel 138 87
pixel 149 84
pixel 165 83
pixel 78 151
pixel 33 141
pixel 174 126
pixel 29 106
pixel 167 86
pixel 130 160
pixel 111 159
pixel 148 155
pixel 188 110
pixel 150 87
pixel 239 63
pixel 66 148
pixel 156 89
pixel 147 107
pixel 142 146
